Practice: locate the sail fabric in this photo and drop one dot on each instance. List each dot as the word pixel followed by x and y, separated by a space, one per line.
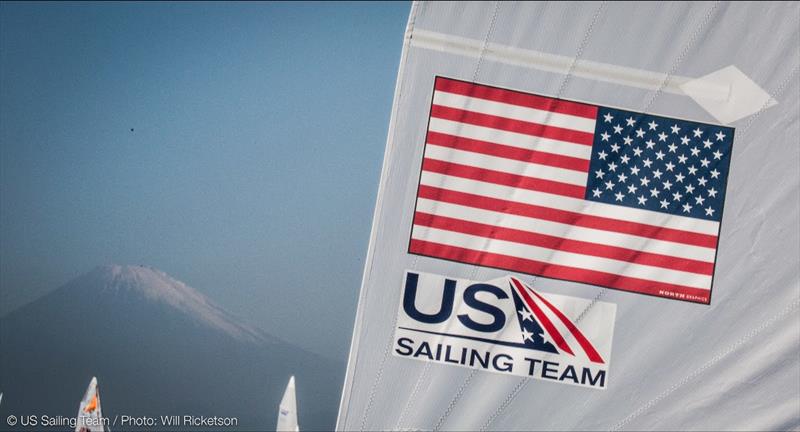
pixel 456 188
pixel 90 413
pixel 658 235
pixel 287 411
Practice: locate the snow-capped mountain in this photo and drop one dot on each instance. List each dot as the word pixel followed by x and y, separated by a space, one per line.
pixel 158 347
pixel 152 285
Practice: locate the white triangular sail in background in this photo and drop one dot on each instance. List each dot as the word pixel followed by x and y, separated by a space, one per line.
pixel 287 411
pixel 477 153
pixel 90 414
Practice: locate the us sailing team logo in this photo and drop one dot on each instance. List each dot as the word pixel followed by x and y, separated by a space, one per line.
pixel 505 326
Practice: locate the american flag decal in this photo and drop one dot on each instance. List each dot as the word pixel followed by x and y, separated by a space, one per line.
pixel 571 191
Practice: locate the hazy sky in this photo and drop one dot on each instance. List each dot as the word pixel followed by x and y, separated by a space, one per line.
pixel 252 167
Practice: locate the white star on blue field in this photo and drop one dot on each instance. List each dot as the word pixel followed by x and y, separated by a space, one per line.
pixel 658 163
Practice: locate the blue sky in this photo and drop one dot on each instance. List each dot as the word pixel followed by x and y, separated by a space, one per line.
pixel 253 164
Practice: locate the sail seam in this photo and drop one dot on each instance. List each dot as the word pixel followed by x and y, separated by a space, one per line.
pixel 581 48
pixel 475 268
pixel 778 92
pixel 716 359
pixel 735 346
pixel 489 33
pixel 350 373
pixel 679 59
pixel 559 93
pixel 524 382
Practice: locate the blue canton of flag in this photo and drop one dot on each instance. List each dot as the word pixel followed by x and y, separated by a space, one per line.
pixel 658 163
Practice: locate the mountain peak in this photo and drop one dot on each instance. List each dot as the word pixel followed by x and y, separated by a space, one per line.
pixel 155 286
pixel 156 345
pixel 148 281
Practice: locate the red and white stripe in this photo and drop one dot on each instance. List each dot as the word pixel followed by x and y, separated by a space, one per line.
pixel 503 183
pixel 563 333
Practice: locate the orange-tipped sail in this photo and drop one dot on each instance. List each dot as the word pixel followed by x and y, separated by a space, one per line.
pixel 90 415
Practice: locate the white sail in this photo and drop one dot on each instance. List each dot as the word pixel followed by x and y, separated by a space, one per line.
pixel 287 411
pixel 495 124
pixel 90 414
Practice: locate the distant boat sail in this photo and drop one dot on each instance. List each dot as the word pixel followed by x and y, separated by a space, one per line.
pixel 90 414
pixel 287 411
pixel 564 184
